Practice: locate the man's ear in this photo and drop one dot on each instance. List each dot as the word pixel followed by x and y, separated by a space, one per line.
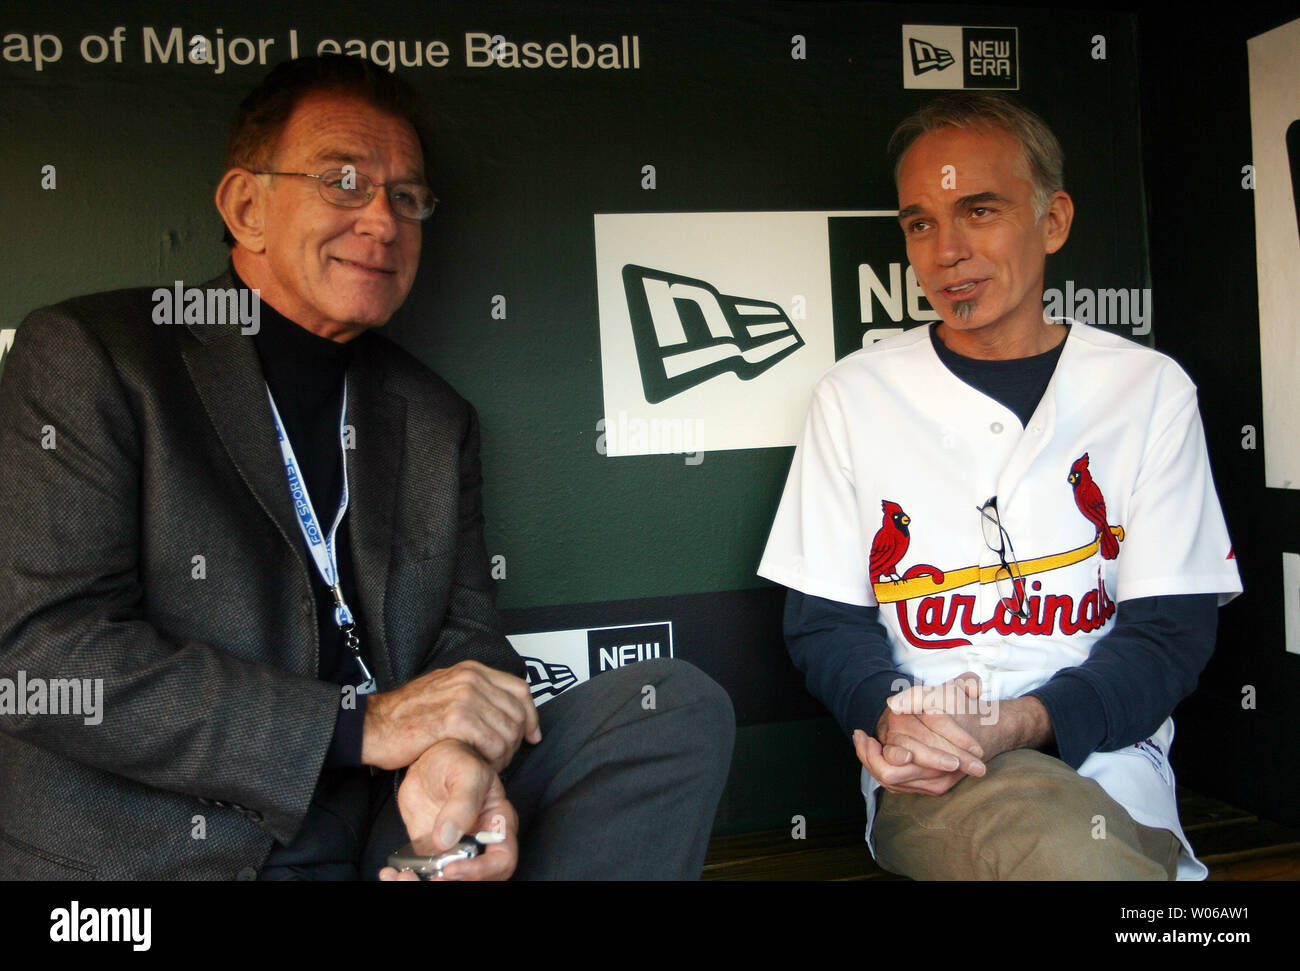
pixel 241 200
pixel 1059 216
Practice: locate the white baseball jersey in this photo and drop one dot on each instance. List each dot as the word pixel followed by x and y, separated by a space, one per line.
pixel 1115 443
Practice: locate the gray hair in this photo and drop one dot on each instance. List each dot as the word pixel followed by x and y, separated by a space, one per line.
pixel 1040 149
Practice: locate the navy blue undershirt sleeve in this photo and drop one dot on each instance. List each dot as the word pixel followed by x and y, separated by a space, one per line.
pixel 1134 677
pixel 845 657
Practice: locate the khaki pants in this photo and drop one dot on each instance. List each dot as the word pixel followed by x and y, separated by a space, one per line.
pixel 1031 817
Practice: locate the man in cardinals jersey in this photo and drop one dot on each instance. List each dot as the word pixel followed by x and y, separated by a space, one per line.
pixel 1002 542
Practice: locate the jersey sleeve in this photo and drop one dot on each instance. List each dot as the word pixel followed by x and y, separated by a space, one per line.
pixel 1177 541
pixel 816 544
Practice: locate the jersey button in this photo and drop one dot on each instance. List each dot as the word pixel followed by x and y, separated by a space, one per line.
pixel 996 428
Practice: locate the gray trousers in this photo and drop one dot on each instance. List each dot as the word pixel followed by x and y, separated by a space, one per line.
pixel 624 785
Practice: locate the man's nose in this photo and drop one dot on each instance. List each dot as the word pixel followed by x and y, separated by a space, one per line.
pixel 377 217
pixel 951 245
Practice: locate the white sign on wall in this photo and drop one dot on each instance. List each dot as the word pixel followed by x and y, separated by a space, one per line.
pixel 1275 145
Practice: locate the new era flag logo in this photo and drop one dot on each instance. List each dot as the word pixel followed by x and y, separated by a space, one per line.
pixel 686 332
pixel 546 680
pixel 952 57
pixel 927 57
pixel 722 358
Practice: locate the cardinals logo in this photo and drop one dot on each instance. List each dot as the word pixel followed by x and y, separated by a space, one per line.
pixel 1029 613
pixel 1093 505
pixel 890 543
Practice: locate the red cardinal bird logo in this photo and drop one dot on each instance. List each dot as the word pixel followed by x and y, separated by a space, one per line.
pixel 1093 505
pixel 890 543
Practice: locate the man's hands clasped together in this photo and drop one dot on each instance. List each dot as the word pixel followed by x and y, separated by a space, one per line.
pixel 456 728
pixel 929 738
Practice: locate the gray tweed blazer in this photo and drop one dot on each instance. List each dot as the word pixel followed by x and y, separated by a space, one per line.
pixel 128 449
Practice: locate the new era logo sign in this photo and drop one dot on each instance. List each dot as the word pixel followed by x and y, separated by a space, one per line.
pixel 617 647
pixel 927 57
pixel 558 660
pixel 687 332
pixel 714 327
pixel 940 57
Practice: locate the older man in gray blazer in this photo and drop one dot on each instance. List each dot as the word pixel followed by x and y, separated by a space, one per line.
pixel 262 540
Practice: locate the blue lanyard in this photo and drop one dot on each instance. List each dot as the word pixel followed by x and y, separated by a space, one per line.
pixel 320 545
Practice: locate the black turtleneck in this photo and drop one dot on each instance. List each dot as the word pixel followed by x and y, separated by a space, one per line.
pixel 305 373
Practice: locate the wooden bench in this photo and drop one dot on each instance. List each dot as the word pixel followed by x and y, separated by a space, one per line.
pixel 1233 843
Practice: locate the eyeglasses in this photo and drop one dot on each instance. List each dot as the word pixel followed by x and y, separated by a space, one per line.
pixel 1010 584
pixel 352 190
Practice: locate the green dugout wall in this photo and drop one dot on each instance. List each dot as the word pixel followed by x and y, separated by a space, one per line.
pixel 731 156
